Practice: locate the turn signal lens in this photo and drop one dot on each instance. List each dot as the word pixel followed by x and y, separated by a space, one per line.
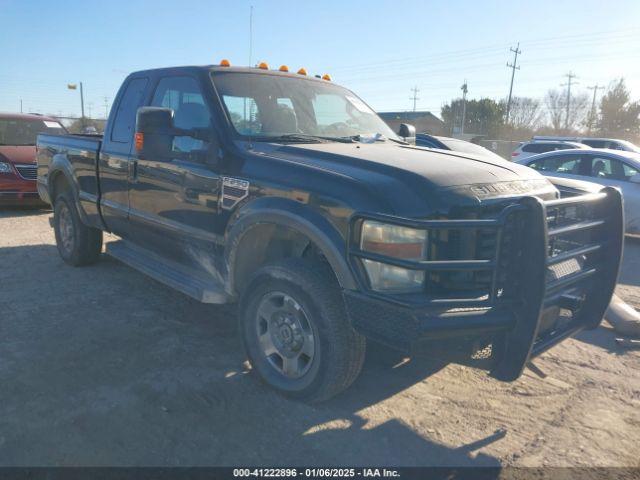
pixel 139 140
pixel 393 240
pixel 283 68
pixel 263 65
pixel 302 71
pixel 225 63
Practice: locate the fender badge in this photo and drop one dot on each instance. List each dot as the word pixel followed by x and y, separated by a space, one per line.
pixel 234 190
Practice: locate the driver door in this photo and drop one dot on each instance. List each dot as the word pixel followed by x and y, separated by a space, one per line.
pixel 174 199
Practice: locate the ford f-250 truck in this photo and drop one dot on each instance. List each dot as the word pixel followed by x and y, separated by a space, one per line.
pixel 288 195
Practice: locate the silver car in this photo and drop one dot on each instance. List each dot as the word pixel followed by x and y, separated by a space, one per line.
pixel 598 165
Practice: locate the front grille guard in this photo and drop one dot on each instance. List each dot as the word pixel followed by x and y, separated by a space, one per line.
pixel 548 235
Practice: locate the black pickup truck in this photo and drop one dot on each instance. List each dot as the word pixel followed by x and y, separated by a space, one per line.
pixel 286 194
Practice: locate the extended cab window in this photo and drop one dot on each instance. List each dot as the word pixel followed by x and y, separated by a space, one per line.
pixel 125 119
pixel 184 96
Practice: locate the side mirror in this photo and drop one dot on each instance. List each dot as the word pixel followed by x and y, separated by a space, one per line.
pixel 635 178
pixel 154 132
pixel 408 133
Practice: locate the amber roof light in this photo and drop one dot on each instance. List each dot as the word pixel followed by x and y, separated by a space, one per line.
pixel 302 71
pixel 225 63
pixel 326 77
pixel 263 66
pixel 283 68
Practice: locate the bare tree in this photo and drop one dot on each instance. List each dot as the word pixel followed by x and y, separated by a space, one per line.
pixel 555 108
pixel 525 113
pixel 556 103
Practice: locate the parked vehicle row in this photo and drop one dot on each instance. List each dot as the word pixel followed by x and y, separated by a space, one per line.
pixel 594 142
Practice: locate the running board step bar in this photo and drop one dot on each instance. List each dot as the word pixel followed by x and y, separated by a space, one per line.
pixel 202 287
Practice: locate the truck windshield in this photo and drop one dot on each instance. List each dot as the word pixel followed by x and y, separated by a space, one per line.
pixel 274 107
pixel 19 131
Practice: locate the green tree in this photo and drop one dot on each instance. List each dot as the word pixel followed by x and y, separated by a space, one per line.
pixel 619 116
pixel 484 116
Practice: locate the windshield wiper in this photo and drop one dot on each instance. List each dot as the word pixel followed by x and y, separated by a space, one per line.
pixel 302 138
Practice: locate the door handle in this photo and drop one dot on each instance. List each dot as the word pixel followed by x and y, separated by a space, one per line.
pixel 133 170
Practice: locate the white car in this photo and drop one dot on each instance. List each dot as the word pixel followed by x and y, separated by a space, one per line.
pixel 615 168
pixel 528 149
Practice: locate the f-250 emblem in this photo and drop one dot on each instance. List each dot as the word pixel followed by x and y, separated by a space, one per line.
pixel 233 191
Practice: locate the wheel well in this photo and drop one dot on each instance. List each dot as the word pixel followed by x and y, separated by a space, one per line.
pixel 267 243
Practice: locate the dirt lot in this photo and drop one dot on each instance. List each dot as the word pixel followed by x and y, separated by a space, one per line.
pixel 102 366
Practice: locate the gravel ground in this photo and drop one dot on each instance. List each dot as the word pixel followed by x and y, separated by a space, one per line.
pixel 102 366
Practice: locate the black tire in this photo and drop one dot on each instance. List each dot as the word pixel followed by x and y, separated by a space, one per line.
pixel 77 244
pixel 338 350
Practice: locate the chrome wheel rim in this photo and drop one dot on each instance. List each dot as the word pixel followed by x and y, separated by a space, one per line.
pixel 285 335
pixel 65 226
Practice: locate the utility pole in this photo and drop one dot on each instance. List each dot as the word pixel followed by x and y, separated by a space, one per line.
pixel 106 107
pixel 250 34
pixel 464 104
pixel 20 105
pixel 415 96
pixel 570 76
pixel 82 103
pixel 513 66
pixel 73 86
pixel 592 113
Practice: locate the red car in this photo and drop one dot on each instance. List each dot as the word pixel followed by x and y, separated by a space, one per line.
pixel 18 171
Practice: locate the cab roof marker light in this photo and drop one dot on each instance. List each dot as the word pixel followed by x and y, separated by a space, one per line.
pixel 283 68
pixel 225 63
pixel 302 71
pixel 326 77
pixel 263 66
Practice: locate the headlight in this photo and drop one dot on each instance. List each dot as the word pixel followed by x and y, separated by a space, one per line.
pixel 393 240
pixel 5 168
pixel 389 278
pixel 398 242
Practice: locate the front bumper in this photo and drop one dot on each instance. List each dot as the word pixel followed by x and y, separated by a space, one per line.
pixel 19 186
pixel 551 272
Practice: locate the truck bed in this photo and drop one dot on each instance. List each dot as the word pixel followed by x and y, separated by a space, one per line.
pixel 77 155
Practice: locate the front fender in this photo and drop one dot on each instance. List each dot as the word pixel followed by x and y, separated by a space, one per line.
pixel 297 216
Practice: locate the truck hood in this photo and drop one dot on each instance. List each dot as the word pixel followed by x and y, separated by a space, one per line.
pixel 415 175
pixel 18 154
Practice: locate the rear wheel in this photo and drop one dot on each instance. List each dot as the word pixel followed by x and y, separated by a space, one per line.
pixel 296 331
pixel 77 244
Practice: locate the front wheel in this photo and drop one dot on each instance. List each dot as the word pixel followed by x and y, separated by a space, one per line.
pixel 296 332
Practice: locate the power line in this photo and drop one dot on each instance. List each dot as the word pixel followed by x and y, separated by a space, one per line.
pixel 415 96
pixel 513 66
pixel 570 76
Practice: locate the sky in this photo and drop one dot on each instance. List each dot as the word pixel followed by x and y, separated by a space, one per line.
pixel 378 49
